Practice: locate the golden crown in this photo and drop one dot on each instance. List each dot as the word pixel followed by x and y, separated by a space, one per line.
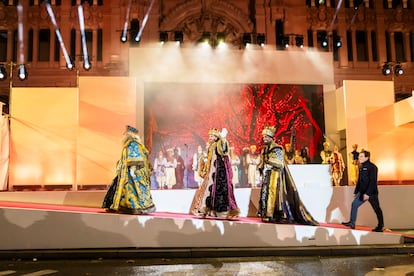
pixel 214 131
pixel 269 131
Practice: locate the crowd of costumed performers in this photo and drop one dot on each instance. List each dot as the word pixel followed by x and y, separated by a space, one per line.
pixel 279 202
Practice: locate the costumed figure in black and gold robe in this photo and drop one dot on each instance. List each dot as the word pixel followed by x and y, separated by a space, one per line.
pixel 279 199
pixel 354 167
pixel 215 196
pixel 130 190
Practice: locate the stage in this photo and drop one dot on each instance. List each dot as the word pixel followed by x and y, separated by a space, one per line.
pixel 74 220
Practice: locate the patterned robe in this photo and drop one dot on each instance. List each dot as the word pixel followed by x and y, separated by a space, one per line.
pixel 215 196
pixel 279 199
pixel 131 194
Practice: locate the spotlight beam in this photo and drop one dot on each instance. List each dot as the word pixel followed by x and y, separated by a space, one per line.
pixel 338 7
pixel 20 33
pixel 22 69
pixel 125 30
pixel 356 12
pixel 58 35
pixel 86 64
pixel 144 22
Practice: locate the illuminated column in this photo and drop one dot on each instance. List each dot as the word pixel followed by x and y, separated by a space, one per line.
pixel 52 46
pixel 343 51
pixel 94 56
pixel 35 50
pixel 261 19
pixel 369 46
pixel 354 47
pixel 392 45
pixel 380 33
pixel 78 50
pixel 405 4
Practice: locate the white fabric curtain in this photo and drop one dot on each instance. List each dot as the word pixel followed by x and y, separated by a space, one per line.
pixel 4 152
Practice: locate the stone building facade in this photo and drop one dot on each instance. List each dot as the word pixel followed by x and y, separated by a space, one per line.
pixel 372 33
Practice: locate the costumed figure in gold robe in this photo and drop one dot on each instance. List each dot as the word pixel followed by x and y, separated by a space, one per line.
pixel 130 190
pixel 215 196
pixel 354 166
pixel 337 166
pixel 326 153
pixel 279 199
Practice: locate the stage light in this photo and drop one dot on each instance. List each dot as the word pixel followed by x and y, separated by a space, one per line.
pixel 324 42
pixel 386 69
pixel 357 3
pixel 70 65
pixel 144 22
pixel 3 73
pixel 86 64
pixel 398 70
pixel 205 37
pixel 220 38
pixel 285 41
pixel 247 38
pixel 178 36
pixel 22 74
pixel 299 41
pixel 133 30
pixel 163 37
pixel 123 38
pixel 261 39
pixel 337 41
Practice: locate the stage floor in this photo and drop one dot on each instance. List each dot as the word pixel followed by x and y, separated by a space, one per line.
pixel 31 226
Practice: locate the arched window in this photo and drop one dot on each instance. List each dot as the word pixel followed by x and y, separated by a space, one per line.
pixel 43 53
pixel 361 45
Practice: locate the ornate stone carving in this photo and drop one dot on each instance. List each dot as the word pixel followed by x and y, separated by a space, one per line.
pixel 361 18
pixel 194 17
pixel 399 19
pixel 2 12
pixel 8 16
pixel 320 17
pixel 40 16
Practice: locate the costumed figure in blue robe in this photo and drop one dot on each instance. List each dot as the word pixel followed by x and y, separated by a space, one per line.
pixel 130 190
pixel 279 199
pixel 215 196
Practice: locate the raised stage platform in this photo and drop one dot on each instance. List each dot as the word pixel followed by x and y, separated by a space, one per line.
pixel 40 226
pixel 73 220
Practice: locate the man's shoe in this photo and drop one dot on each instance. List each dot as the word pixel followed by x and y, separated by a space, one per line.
pixel 378 229
pixel 349 224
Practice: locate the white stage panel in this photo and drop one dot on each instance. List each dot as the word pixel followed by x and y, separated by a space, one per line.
pixel 24 229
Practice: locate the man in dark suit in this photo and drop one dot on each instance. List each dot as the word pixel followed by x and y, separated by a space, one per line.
pixel 366 190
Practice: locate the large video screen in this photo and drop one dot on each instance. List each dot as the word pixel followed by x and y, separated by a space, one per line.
pixel 179 116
